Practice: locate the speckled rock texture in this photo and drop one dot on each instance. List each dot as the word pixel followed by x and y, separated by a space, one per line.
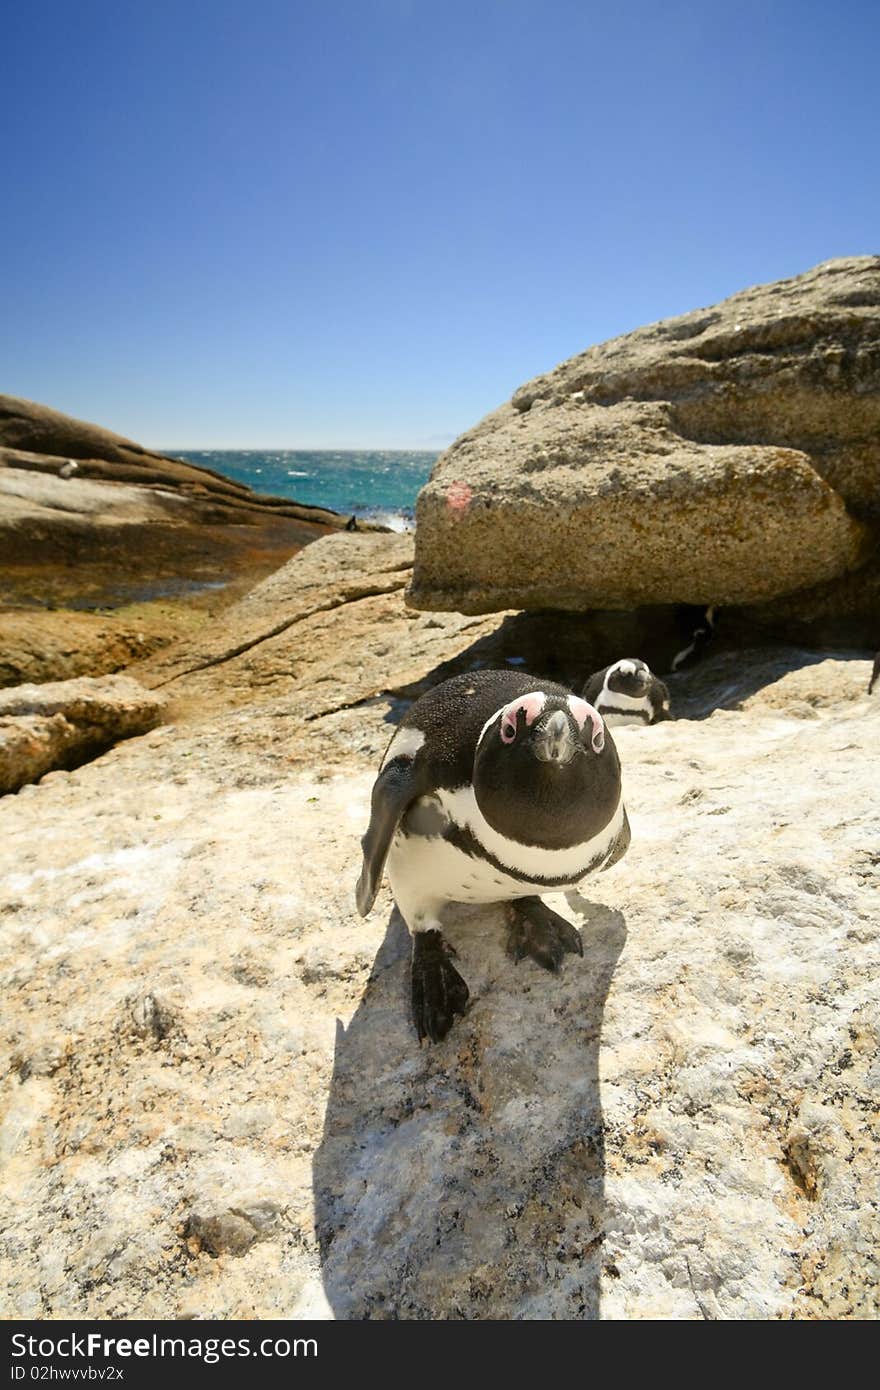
pixel 729 456
pixel 214 1103
pixel 46 645
pixel 64 723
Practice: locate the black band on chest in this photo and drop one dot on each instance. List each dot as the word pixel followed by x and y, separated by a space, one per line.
pixel 464 839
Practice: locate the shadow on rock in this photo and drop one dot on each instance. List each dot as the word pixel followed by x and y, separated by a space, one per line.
pixel 733 675
pixel 568 647
pixel 466 1180
pixel 564 647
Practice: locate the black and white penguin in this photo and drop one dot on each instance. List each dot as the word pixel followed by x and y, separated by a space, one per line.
pixel 628 693
pixel 697 626
pixel 496 787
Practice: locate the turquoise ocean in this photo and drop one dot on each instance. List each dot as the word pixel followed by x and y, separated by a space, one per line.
pixel 379 484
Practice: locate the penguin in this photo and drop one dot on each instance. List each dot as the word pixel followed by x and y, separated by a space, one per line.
pixel 628 693
pixel 699 623
pixel 496 787
pixel 874 674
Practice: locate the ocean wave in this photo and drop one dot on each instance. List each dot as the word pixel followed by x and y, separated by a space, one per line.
pixel 376 484
pixel 395 521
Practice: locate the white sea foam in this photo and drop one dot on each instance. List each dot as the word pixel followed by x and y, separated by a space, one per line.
pixel 395 521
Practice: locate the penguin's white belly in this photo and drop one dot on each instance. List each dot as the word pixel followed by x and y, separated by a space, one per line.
pixel 615 718
pixel 617 709
pixel 422 870
pixel 427 870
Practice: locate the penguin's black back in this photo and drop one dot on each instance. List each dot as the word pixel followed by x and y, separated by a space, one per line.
pixel 593 688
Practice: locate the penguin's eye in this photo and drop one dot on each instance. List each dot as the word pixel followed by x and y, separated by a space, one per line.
pixel 582 712
pixel 519 714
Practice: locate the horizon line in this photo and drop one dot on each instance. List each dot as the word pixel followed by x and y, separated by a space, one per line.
pixel 300 448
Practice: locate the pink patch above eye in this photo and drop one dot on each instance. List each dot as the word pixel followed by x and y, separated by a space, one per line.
pixel 582 712
pixel 458 498
pixel 531 704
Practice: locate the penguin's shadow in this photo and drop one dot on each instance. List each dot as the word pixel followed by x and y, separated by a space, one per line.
pixel 466 1179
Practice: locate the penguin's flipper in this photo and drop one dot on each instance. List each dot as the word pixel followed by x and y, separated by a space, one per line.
pixel 660 701
pixel 593 686
pixel 398 785
pixel 621 844
pixel 875 673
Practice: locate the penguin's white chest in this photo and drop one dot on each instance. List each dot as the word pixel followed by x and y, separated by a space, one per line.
pixel 615 719
pixel 618 709
pixel 433 871
pixel 427 870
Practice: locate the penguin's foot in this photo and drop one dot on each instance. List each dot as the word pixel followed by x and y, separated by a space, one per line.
pixel 536 930
pixel 438 991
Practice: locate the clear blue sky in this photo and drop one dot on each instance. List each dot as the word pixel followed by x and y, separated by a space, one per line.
pixel 366 222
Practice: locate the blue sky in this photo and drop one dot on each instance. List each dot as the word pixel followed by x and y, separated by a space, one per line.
pixel 366 222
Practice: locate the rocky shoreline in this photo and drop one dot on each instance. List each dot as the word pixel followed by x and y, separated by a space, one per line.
pixel 109 551
pixel 213 1101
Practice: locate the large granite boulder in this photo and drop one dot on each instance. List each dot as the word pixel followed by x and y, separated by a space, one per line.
pixel 730 456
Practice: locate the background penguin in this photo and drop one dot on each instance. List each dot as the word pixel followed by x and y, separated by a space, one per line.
pixel 628 693
pixel 697 626
pixel 496 787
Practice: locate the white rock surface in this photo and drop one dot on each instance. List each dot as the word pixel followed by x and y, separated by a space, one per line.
pixel 215 1105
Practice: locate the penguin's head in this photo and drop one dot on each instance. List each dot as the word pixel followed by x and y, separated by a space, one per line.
pixel 628 677
pixel 545 770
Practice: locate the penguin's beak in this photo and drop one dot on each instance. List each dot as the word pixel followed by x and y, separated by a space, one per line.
pixel 553 740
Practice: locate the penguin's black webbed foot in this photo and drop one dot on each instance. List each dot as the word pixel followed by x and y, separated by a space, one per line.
pixel 439 994
pixel 536 930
